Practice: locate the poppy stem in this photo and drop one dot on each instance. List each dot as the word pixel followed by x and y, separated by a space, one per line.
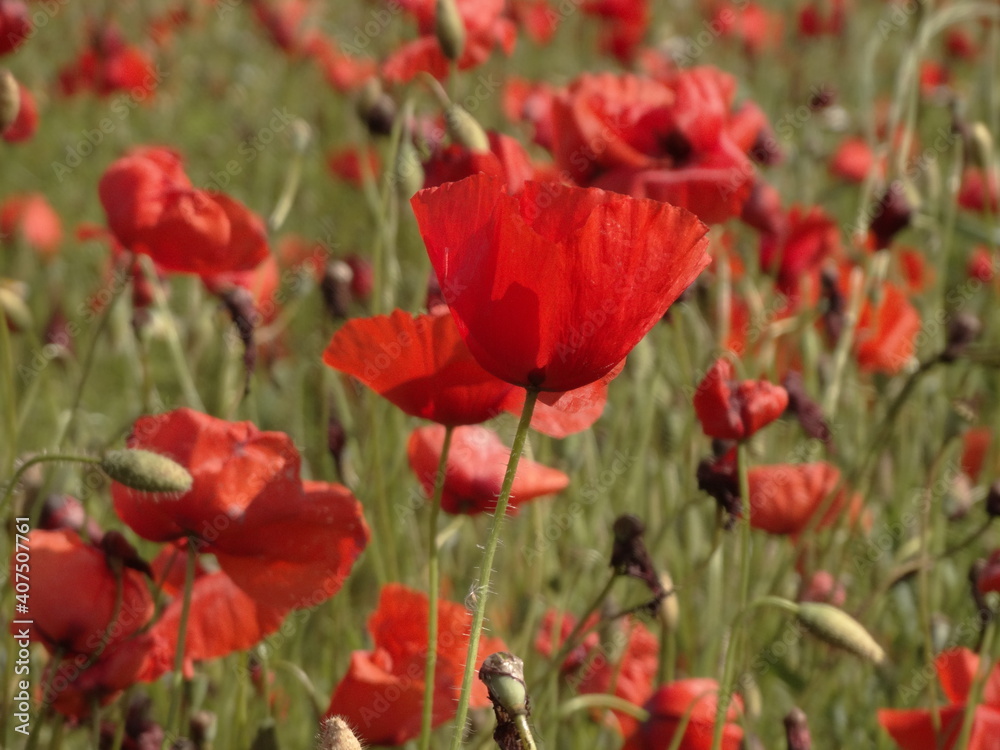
pixel 602 700
pixel 178 678
pixel 729 665
pixel 434 586
pixel 482 589
pixel 9 489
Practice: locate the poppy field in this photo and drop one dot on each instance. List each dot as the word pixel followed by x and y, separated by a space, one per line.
pixel 500 373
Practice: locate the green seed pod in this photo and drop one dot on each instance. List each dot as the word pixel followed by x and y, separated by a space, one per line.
pixel 335 734
pixel 146 471
pixel 449 29
pixel 836 627
pixel 503 674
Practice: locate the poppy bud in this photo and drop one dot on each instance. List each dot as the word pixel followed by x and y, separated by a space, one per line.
pixel 503 675
pixel 836 627
pixel 670 610
pixel 376 108
pixel 449 29
pixel 335 734
pixel 465 130
pixel 10 99
pixel 336 288
pixel 797 730
pixel 993 500
pixel 15 309
pixel 408 172
pixel 892 214
pixel 963 329
pixel 146 471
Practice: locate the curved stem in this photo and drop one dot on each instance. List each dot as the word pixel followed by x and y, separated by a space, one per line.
pixel 178 677
pixel 37 460
pixel 434 576
pixel 602 700
pixel 486 566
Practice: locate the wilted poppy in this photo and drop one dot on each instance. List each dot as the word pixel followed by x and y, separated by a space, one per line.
pixel 735 410
pixel 914 729
pixel 152 208
pixel 694 699
pixel 284 541
pixel 382 694
pixel 477 460
pixel 552 287
pixel 33 218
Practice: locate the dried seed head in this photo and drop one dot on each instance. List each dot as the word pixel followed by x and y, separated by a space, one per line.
pixel 335 734
pixel 836 627
pixel 993 500
pixel 146 471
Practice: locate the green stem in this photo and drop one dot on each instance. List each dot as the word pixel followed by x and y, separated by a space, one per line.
pixel 9 391
pixel 602 700
pixel 976 691
pixel 178 677
pixel 524 732
pixel 434 586
pixel 486 566
pixel 37 460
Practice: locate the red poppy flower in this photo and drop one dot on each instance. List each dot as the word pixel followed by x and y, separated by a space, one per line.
pixel 283 541
pixel 975 447
pixel 26 122
pixel 629 675
pixel 15 25
pixel 33 218
pixel 536 18
pixel 979 192
pixel 348 164
pixel 485 26
pixel 981 265
pixel 420 364
pixel 222 619
pixel 816 21
pixel 531 103
pixel 110 64
pixel 731 410
pixel 477 461
pixel 785 497
pixel 151 208
pixel 757 28
pixel 798 255
pixel 538 294
pixel 959 44
pixel 342 71
pixel 853 160
pixel 382 694
pixel 624 24
pixel 695 699
pixel 74 592
pixel 564 413
pixel 884 339
pixel 506 160
pixel 283 21
pixel 914 729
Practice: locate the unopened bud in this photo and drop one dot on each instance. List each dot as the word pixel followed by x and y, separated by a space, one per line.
pixel 836 627
pixel 465 130
pixel 449 28
pixel 503 674
pixel 963 329
pixel 408 172
pixel 670 609
pixel 146 471
pixel 13 297
pixel 993 500
pixel 10 99
pixel 797 730
pixel 376 108
pixel 335 734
